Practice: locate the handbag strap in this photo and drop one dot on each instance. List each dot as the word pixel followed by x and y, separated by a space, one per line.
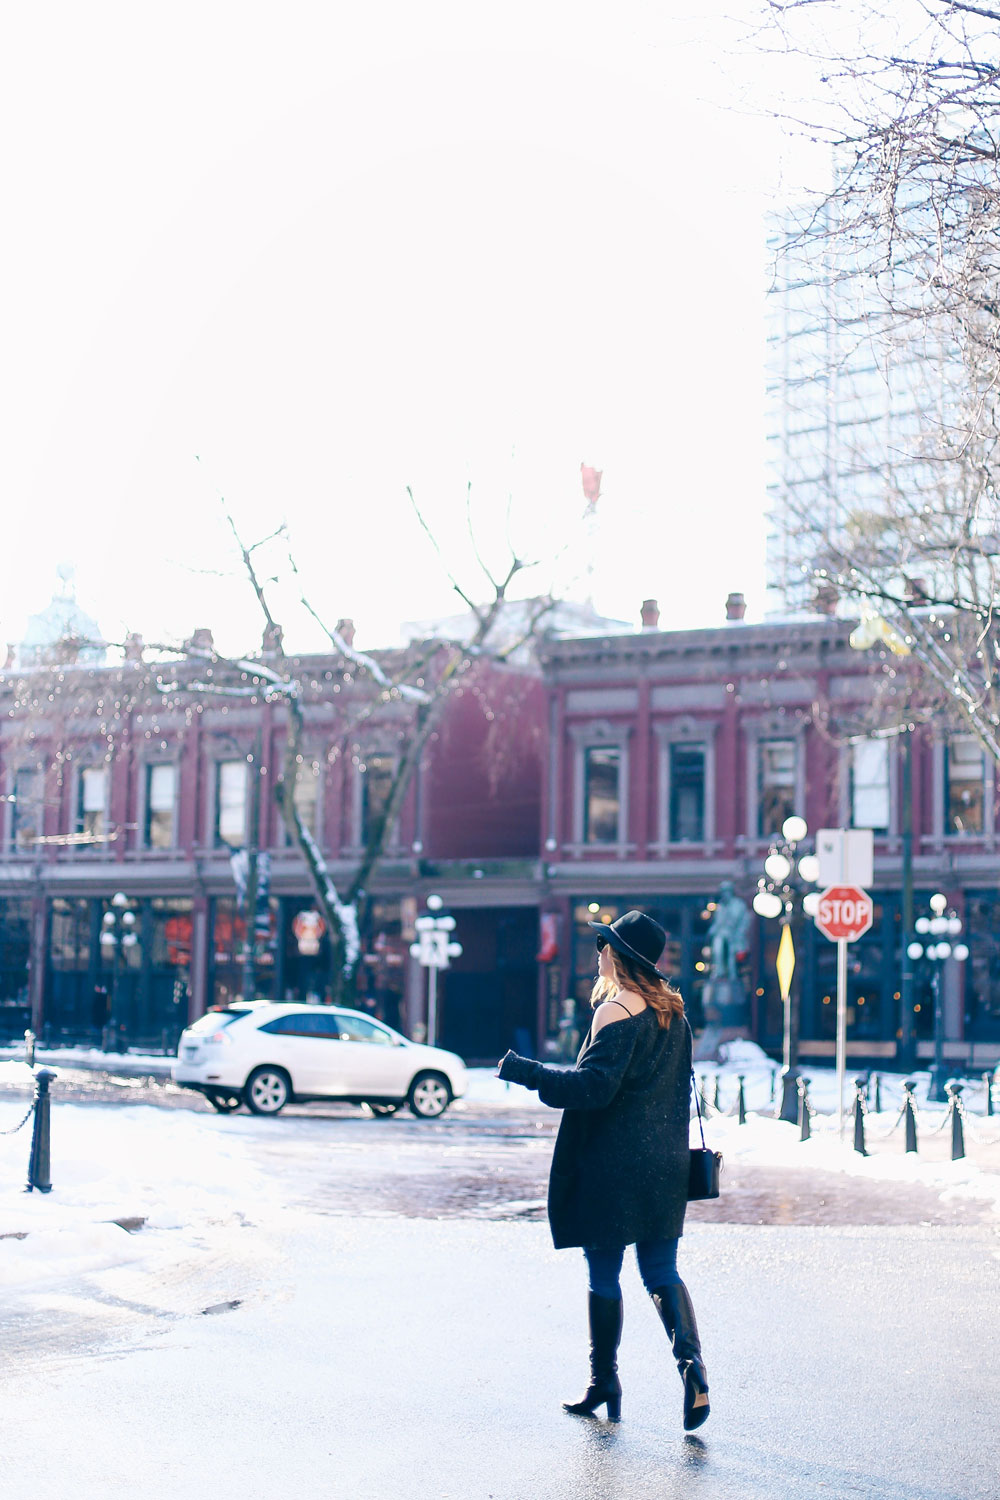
pixel 697 1105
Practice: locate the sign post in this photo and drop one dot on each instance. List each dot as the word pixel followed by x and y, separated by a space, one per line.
pixel 844 913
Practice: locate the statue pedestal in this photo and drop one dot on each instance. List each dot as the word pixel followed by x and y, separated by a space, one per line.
pixel 727 1016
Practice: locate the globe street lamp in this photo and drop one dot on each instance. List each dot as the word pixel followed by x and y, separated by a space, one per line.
pixel 433 950
pixel 934 942
pixel 780 889
pixel 118 935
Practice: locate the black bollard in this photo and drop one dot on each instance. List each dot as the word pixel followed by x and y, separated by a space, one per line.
pixel 988 1085
pixel 715 1094
pixel 805 1129
pixel 39 1167
pixel 774 1079
pixel 859 1116
pixel 909 1116
pixel 877 1080
pixel 741 1102
pixel 954 1091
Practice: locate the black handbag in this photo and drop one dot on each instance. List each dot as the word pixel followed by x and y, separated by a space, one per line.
pixel 706 1165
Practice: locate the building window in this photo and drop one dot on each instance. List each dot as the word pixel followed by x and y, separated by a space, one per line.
pixel 870 785
pixel 601 795
pixel 377 775
pixel 306 793
pixel 964 784
pixel 775 785
pixel 687 794
pixel 230 802
pixel 91 800
pixel 161 791
pixel 25 820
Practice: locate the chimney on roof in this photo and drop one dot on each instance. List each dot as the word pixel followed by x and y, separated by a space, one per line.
pixel 736 607
pixel 825 599
pixel 200 643
pixel 345 628
pixel 650 614
pixel 272 643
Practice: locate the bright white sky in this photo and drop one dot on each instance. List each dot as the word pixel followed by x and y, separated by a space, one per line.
pixel 336 250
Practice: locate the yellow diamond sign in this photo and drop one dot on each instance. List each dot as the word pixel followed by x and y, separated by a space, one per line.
pixel 786 961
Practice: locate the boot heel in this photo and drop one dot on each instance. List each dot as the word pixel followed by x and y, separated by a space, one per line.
pixel 614 1405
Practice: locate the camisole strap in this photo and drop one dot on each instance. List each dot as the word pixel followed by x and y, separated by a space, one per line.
pixel 623 1006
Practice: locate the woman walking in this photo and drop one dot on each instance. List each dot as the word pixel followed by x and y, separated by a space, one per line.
pixel 620 1166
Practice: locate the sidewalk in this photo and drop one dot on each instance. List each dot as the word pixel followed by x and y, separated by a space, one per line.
pixel 427 1360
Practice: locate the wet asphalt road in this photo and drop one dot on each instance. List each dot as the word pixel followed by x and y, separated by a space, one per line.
pixel 404 1328
pixel 426 1359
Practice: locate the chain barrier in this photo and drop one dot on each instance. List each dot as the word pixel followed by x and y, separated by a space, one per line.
pixel 972 1126
pixel 20 1126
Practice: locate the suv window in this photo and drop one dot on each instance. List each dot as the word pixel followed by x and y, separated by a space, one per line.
pixel 305 1023
pixel 212 1020
pixel 357 1029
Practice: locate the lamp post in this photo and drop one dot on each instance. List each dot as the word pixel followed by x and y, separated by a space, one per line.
pixel 781 894
pixel 941 926
pixel 118 935
pixel 433 950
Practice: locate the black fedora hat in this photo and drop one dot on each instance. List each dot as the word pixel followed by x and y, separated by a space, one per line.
pixel 637 937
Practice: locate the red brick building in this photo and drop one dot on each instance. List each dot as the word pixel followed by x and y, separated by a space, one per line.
pixel 632 769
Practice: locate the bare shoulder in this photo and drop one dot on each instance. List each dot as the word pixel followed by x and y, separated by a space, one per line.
pixel 611 1011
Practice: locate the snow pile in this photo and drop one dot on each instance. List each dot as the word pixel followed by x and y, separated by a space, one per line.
pixel 180 1172
pixel 93 1057
pixel 775 1143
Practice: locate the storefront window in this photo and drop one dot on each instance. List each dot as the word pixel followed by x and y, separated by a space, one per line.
pixel 15 948
pixel 230 980
pixel 685 921
pixel 982 972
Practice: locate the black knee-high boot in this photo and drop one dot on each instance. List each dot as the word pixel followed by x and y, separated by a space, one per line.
pixel 605 1336
pixel 673 1303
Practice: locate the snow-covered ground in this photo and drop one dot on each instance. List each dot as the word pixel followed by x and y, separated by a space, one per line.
pixel 177 1171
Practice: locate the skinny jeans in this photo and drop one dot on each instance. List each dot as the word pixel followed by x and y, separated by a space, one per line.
pixel 657 1266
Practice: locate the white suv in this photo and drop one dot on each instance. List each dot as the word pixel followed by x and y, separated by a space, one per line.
pixel 266 1055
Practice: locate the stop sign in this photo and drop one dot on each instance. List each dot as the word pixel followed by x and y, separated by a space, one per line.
pixel 845 911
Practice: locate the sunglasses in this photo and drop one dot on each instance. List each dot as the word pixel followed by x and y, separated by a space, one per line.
pixel 601 942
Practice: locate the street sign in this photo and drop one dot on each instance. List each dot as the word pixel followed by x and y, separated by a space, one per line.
pixel 846 856
pixel 844 913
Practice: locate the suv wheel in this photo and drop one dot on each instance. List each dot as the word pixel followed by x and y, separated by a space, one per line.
pixel 429 1095
pixel 268 1090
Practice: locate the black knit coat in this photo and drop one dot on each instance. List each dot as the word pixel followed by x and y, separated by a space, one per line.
pixel 620 1165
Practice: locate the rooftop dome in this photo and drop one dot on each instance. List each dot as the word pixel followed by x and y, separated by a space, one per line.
pixel 62 632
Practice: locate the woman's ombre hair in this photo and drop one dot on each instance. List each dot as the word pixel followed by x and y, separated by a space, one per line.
pixel 658 993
